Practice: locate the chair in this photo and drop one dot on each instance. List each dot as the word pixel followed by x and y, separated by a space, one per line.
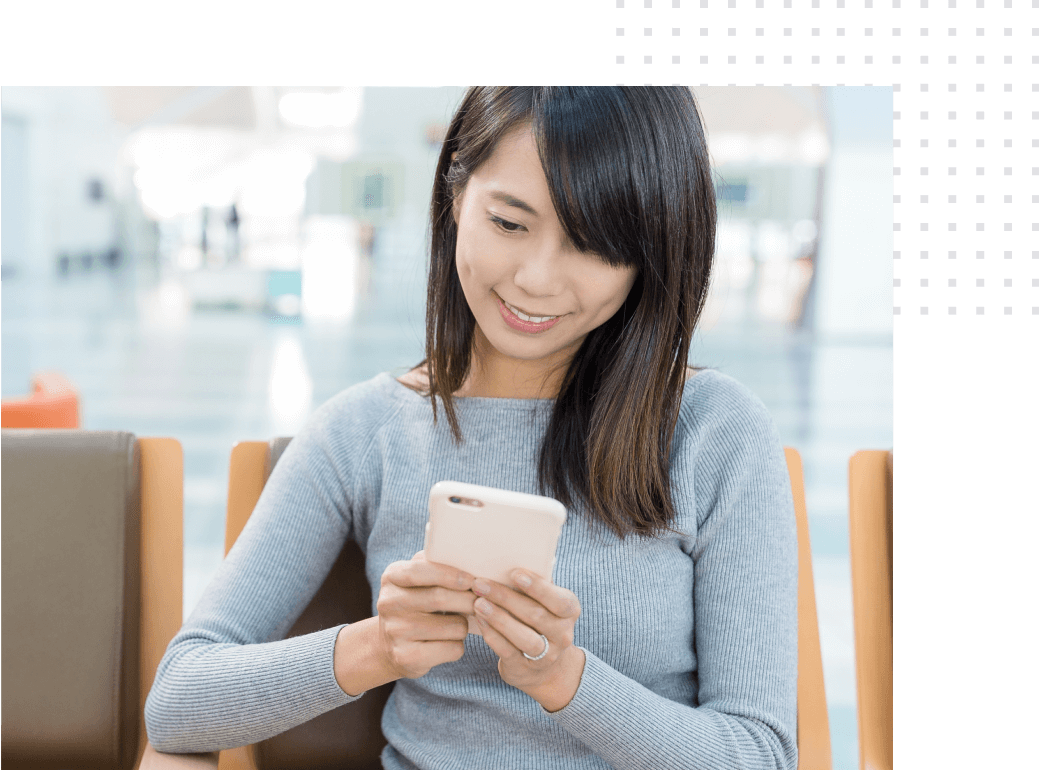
pixel 92 591
pixel 813 720
pixel 251 462
pixel 52 403
pixel 870 494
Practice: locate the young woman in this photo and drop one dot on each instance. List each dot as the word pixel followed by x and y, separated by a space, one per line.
pixel 572 237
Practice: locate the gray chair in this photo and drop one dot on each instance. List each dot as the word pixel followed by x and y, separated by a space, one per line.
pixel 92 592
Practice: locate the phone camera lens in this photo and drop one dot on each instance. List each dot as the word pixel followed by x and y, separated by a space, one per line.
pixel 455 499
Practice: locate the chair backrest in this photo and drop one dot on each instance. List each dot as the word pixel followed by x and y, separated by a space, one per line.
pixel 92 581
pixel 349 737
pixel 813 721
pixel 356 733
pixel 52 403
pixel 870 504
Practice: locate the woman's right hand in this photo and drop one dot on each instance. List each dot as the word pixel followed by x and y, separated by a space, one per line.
pixel 422 614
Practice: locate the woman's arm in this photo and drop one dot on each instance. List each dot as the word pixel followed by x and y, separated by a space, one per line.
pixel 229 678
pixel 745 620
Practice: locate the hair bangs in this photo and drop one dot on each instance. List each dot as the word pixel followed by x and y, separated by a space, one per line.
pixel 590 162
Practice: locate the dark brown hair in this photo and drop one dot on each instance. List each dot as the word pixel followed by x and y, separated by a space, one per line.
pixel 630 179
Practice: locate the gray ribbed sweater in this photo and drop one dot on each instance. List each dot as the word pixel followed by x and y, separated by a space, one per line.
pixel 690 642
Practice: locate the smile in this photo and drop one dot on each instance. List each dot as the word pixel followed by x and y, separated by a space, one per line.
pixel 526 317
pixel 524 322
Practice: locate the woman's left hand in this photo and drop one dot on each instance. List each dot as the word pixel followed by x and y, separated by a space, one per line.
pixel 512 620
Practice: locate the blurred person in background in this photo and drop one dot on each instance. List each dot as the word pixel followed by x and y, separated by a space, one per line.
pixel 233 245
pixel 572 242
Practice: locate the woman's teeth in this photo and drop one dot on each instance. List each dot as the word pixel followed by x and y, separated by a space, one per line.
pixel 532 318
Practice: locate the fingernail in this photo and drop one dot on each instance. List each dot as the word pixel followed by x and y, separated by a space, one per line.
pixel 483 606
pixel 481 587
pixel 521 579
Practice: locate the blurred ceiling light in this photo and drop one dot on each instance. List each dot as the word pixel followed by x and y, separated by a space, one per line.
pixel 311 109
pixel 772 148
pixel 169 200
pixel 179 169
pixel 813 147
pixel 730 147
pixel 809 147
pixel 220 190
pixel 172 146
pixel 273 182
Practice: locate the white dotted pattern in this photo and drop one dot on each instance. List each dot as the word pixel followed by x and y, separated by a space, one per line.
pixel 943 145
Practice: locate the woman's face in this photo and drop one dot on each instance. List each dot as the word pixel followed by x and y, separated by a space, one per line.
pixel 514 260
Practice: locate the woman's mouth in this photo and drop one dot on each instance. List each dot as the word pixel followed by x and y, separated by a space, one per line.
pixel 530 325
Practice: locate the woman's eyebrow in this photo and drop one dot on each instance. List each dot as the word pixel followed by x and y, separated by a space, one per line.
pixel 512 200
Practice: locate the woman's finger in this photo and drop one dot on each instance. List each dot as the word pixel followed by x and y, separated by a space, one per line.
pixel 559 601
pixel 520 636
pixel 530 611
pixel 419 573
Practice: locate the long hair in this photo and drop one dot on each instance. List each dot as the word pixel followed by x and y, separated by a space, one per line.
pixel 630 180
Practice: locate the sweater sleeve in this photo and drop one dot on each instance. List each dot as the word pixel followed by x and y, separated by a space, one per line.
pixel 229 678
pixel 745 615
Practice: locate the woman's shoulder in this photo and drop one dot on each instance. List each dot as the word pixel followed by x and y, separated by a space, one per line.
pixel 360 408
pixel 416 379
pixel 713 400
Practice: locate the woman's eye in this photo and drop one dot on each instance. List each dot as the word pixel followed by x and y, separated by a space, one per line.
pixel 506 225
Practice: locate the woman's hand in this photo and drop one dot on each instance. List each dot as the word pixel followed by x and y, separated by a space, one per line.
pixel 512 622
pixel 422 608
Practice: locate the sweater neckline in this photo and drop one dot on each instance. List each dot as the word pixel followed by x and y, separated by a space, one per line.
pixel 488 402
pixel 484 402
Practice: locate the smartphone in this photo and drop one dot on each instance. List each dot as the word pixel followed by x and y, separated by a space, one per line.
pixel 489 532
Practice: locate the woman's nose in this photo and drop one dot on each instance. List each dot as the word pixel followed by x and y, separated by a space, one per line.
pixel 542 271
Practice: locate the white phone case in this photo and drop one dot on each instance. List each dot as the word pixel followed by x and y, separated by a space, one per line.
pixel 489 532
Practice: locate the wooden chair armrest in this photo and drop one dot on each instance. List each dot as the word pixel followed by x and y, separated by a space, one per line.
pixel 155 760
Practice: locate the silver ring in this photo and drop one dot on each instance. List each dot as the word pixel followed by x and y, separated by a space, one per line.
pixel 544 652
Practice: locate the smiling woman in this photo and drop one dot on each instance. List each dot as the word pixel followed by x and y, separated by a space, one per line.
pixel 605 211
pixel 572 238
pixel 506 250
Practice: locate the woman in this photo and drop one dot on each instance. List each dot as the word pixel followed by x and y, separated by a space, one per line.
pixel 573 230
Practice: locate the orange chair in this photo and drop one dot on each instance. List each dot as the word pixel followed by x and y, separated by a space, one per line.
pixel 92 591
pixel 52 403
pixel 813 720
pixel 870 524
pixel 251 462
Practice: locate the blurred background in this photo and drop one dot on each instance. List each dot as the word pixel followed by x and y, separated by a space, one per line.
pixel 213 263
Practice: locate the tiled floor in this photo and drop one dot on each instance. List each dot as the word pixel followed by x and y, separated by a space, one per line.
pixel 213 378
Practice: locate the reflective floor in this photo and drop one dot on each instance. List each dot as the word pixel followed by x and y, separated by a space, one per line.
pixel 144 363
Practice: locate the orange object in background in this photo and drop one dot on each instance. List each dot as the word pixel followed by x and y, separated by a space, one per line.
pixel 53 403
